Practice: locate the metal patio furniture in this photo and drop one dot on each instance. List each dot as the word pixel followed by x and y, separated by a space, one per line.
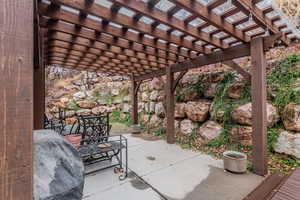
pixel 96 145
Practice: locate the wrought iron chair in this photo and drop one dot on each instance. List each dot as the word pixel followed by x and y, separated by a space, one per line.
pixel 57 125
pixel 96 145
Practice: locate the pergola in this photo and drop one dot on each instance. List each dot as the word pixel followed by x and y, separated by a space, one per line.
pixel 142 39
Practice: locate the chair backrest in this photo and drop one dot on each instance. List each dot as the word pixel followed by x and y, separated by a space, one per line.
pixel 95 128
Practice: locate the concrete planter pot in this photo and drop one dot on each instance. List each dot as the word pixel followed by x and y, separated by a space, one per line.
pixel 235 162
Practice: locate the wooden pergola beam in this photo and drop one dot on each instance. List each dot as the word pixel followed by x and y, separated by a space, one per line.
pixel 39 80
pixel 259 106
pixel 95 69
pixel 174 23
pixel 239 69
pixel 216 20
pixel 16 108
pixel 134 99
pixel 259 17
pixel 109 29
pixel 128 22
pixel 102 55
pixel 231 53
pixel 125 47
pixel 81 44
pixel 170 106
pixel 102 64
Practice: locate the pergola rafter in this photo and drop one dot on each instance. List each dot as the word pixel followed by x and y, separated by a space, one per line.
pixel 147 39
pixel 138 39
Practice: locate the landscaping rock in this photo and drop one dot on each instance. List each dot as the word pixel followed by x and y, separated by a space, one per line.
pixel 126 108
pixel 152 107
pixel 210 130
pixel 180 110
pixel 154 95
pixel 145 118
pixel 241 135
pixel 145 97
pixel 126 99
pixel 59 94
pixel 70 113
pixel 155 122
pixel 115 92
pixel 117 100
pixel 64 100
pixel 79 95
pixel 291 117
pixel 187 127
pixel 160 110
pixel 197 111
pixel 212 77
pixel 288 143
pixel 84 112
pixel 235 91
pixel 243 114
pixel 210 90
pixel 58 168
pixel 189 79
pixel 86 104
pixel 187 94
pixel 99 110
pixel 156 84
pixel 101 102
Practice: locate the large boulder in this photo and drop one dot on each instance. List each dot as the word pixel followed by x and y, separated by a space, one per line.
pixel 288 143
pixel 210 130
pixel 86 104
pixel 180 110
pixel 243 114
pixel 187 127
pixel 291 117
pixel 197 111
pixel 58 168
pixel 241 135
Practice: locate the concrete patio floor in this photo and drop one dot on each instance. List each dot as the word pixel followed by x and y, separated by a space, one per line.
pixel 163 171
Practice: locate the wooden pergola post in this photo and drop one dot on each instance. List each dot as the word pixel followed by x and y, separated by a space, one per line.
pixel 39 85
pixel 134 100
pixel 169 90
pixel 259 109
pixel 16 108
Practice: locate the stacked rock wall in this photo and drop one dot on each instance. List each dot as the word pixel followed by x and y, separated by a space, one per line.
pixel 207 105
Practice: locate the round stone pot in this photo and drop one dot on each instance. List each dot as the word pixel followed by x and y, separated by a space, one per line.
pixel 235 162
